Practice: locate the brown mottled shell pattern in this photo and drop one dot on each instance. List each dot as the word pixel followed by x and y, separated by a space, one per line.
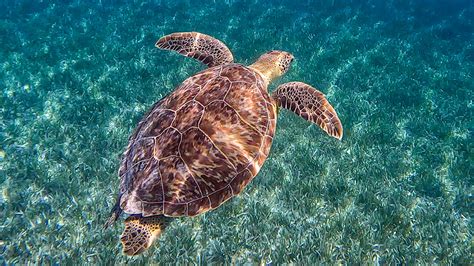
pixel 199 146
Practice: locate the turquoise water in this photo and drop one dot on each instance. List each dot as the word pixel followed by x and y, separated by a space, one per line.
pixel 77 76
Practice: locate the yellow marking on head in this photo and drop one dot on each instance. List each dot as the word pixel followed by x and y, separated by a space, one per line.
pixel 272 64
pixel 139 233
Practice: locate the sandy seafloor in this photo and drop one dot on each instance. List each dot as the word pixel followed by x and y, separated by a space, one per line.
pixel 76 77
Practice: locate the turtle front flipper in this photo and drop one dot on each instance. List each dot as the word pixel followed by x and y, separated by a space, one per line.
pixel 140 232
pixel 202 47
pixel 310 104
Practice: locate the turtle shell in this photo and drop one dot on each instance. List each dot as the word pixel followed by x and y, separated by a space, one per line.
pixel 200 145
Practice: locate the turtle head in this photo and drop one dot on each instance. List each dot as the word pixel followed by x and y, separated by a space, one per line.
pixel 273 64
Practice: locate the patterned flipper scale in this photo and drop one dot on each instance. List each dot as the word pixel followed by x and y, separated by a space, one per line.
pixel 202 47
pixel 310 104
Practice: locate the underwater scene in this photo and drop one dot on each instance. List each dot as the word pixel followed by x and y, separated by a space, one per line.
pixel 77 77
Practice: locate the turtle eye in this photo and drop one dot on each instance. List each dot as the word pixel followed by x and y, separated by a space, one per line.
pixel 290 61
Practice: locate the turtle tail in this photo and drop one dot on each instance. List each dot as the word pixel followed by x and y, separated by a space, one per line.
pixel 114 215
pixel 140 232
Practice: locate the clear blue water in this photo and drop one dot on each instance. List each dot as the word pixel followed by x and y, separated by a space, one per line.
pixel 76 77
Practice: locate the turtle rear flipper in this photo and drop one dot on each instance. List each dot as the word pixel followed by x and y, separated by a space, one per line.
pixel 310 104
pixel 140 232
pixel 202 47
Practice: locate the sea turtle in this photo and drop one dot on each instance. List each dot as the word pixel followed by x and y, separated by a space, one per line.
pixel 203 143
